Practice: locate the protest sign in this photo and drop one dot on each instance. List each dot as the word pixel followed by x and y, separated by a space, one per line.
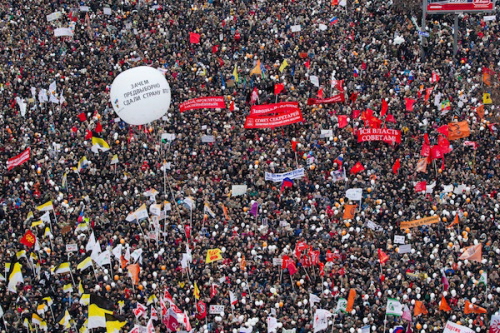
pixel 203 103
pixel 278 177
pixel 379 134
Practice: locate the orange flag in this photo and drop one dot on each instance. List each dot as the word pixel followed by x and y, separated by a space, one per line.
pixel 455 222
pixel 243 263
pixel 480 111
pixel 349 211
pixel 473 308
pixel 350 300
pixel 422 165
pixel 256 69
pixel 443 305
pixel 458 130
pixel 226 214
pixel 134 271
pixel 419 309
pixel 473 253
pixel 123 262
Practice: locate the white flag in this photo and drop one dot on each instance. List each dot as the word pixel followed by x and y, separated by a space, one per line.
pixel 104 259
pixel 394 308
pixel 117 251
pixel 232 299
pixel 95 252
pixel 313 299
pixel 321 319
pixel 22 105
pixel 91 243
pixel 314 80
pixel 272 324
pixel 189 202
pixel 137 255
pixel 354 194
pixel 42 96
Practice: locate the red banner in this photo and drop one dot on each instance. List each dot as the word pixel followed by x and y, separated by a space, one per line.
pixel 19 159
pixel 340 98
pixel 278 108
pixel 282 119
pixel 204 103
pixel 459 6
pixel 379 134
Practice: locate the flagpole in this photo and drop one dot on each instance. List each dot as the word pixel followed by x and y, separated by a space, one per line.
pixel 72 279
pixel 385 322
pixel 52 312
pixel 95 274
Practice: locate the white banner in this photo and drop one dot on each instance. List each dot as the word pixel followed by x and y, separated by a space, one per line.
pixel 238 190
pixel 354 194
pixel 106 11
pixel 455 328
pixel 54 16
pixel 278 177
pixel 208 138
pixel 168 136
pixel 296 28
pixel 63 32
pixel 326 133
pixel 405 249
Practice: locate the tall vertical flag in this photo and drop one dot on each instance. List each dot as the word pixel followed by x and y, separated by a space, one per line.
pixel 14 277
pixel 394 307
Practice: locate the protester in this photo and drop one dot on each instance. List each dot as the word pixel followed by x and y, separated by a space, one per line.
pixel 367 53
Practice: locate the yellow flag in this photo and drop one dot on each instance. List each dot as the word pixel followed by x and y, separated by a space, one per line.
pixel 487 98
pixel 235 73
pixel 196 291
pixel 284 65
pixel 213 255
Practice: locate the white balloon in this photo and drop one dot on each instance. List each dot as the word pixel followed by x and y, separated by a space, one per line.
pixel 140 95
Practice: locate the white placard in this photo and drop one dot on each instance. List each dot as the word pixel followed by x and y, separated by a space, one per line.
pixel 327 133
pixel 208 138
pixel 238 190
pixel 168 136
pixel 63 32
pixel 489 18
pixel 314 80
pixel 296 28
pixel 106 11
pixel 354 194
pixel 54 16
pixel 84 8
pixel 277 261
pixel 71 247
pixel 322 27
pixel 216 309
pixel 399 239
pixel 405 249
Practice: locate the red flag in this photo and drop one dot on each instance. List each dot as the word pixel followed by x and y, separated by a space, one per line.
pixel 82 116
pixel 201 308
pixel 396 166
pixel 231 106
pixel 428 93
pixel 294 145
pixel 285 260
pixel 98 128
pixel 390 118
pixel 384 108
pixel 194 38
pixel 443 130
pixel 19 159
pixel 353 97
pixel 292 269
pixel 426 139
pixel 425 150
pixel 279 87
pixel 187 230
pixel 409 102
pixel 472 144
pixel 320 93
pixel 215 48
pixel 342 121
pixel 308 63
pixel 436 152
pixel 29 239
pixel 321 269
pixel 382 256
pixel 254 97
pixel 444 144
pixel 88 135
pixel 172 323
pixel 300 247
pixel 338 84
pixel 213 290
pixel 435 77
pixel 358 167
pixel 355 114
pixel 421 186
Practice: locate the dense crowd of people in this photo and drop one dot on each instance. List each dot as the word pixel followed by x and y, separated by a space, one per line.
pixel 368 51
